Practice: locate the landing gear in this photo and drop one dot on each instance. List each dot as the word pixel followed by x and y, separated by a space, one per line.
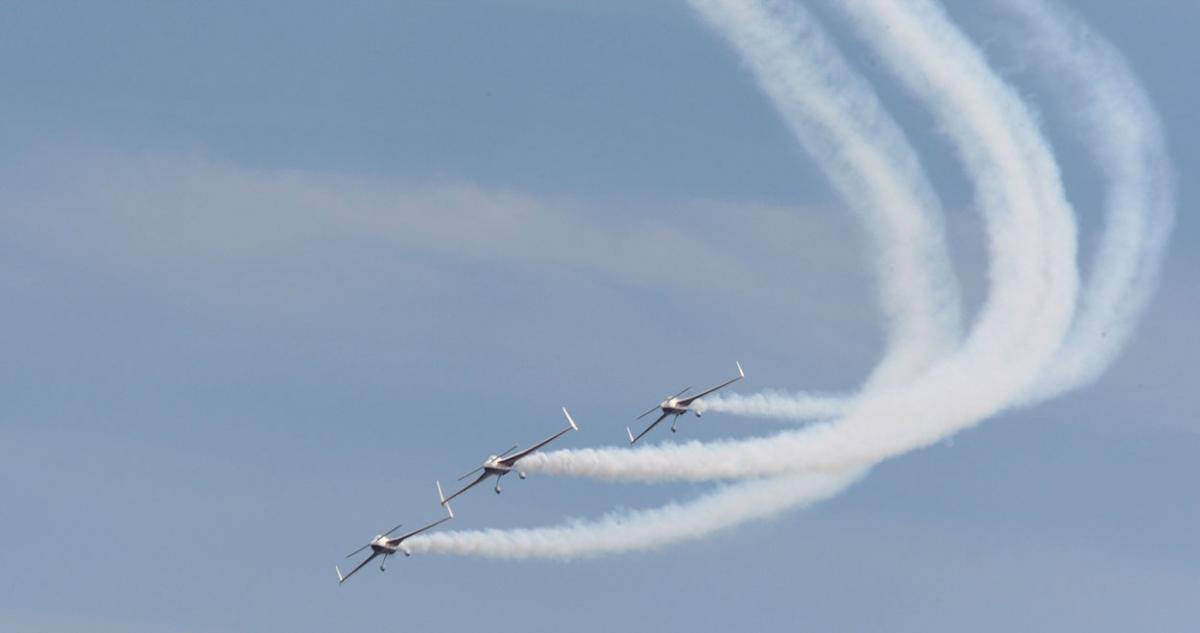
pixel 521 474
pixel 383 562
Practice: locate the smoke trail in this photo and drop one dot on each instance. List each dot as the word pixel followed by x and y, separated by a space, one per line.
pixel 643 529
pixel 923 299
pixel 1010 343
pixel 781 406
pixel 1032 280
pixel 839 120
pixel 1122 131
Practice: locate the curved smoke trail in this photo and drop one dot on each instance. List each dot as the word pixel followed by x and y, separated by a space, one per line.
pixel 1118 123
pixel 643 529
pixel 839 120
pixel 1114 116
pixel 1015 333
pixel 1032 280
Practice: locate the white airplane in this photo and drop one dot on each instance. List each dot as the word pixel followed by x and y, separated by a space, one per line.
pixel 383 546
pixel 677 406
pixel 499 465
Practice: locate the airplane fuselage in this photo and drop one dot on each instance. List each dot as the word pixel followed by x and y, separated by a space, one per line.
pixel 672 407
pixel 380 546
pixel 496 467
pixel 499 469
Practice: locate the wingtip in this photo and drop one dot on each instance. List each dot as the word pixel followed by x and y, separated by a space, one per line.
pixel 630 434
pixel 442 498
pixel 741 374
pixel 341 578
pixel 570 419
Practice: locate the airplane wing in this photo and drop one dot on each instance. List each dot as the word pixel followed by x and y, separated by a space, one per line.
pixel 342 579
pixel 687 401
pixel 480 478
pixel 392 542
pixel 633 440
pixel 514 458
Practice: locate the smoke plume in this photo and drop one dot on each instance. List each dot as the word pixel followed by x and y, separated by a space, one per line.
pixel 1028 342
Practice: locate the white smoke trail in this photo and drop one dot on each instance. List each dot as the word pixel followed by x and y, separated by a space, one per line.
pixel 922 301
pixel 1024 321
pixel 839 120
pixel 780 406
pixel 1033 281
pixel 643 529
pixel 1122 131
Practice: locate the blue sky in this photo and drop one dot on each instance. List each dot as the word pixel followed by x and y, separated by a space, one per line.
pixel 268 273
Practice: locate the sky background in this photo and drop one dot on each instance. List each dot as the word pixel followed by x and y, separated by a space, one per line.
pixel 268 273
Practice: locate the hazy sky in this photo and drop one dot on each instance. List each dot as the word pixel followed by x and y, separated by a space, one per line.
pixel 268 272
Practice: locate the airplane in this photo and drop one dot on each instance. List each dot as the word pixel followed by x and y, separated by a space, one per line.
pixel 383 546
pixel 677 406
pixel 499 465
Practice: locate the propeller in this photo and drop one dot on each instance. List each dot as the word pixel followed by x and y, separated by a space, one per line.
pixel 389 532
pixel 681 392
pixel 514 447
